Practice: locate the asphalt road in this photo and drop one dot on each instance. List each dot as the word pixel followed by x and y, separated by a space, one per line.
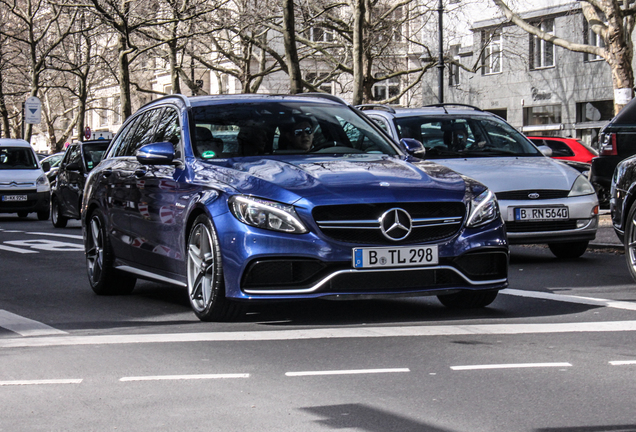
pixel 554 352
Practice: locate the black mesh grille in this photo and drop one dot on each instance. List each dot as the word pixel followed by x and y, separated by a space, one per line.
pixel 483 266
pixel 517 227
pixel 395 281
pixel 523 194
pixel 371 234
pixel 282 272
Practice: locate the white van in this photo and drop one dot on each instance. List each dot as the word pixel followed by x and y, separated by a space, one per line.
pixel 24 187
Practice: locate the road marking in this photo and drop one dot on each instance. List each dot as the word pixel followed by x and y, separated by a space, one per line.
pixel 26 327
pixel 184 377
pixel 18 250
pixel 347 372
pixel 510 366
pixel 572 299
pixel 622 362
pixel 78 237
pixel 325 333
pixel 40 382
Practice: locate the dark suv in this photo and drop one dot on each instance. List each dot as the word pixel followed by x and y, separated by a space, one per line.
pixel 617 141
pixel 66 196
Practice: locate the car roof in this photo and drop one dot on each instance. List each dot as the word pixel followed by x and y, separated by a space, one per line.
pixel 431 110
pixel 10 142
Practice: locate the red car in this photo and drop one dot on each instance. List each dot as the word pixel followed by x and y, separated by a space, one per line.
pixel 566 148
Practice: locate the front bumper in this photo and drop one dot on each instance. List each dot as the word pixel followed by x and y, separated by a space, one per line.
pixel 581 225
pixel 35 202
pixel 260 264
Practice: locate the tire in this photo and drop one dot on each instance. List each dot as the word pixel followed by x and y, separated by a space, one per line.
pixel 206 286
pixel 568 250
pixel 104 279
pixel 22 214
pixel 58 220
pixel 44 215
pixel 630 241
pixel 468 299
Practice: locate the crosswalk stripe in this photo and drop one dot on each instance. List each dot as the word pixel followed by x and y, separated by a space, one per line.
pixel 25 326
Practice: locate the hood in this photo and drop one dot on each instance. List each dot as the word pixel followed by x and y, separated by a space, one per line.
pixel 338 179
pixel 515 173
pixel 19 178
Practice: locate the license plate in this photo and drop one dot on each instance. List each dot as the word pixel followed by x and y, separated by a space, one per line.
pixel 14 198
pixel 541 213
pixel 402 256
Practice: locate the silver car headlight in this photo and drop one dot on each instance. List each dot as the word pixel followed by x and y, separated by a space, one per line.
pixel 581 186
pixel 42 184
pixel 266 214
pixel 483 209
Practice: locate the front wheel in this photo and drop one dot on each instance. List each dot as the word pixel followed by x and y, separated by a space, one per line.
pixel 206 287
pixel 58 220
pixel 468 299
pixel 104 279
pixel 630 241
pixel 568 250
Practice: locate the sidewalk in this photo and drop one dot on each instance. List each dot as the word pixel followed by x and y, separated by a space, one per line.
pixel 605 236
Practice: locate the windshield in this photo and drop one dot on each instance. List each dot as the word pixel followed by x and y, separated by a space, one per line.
pixel 17 158
pixel 277 128
pixel 93 153
pixel 454 136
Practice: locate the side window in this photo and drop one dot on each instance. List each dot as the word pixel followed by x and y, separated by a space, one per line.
pixel 380 122
pixel 559 148
pixel 119 145
pixel 169 130
pixel 73 155
pixel 145 131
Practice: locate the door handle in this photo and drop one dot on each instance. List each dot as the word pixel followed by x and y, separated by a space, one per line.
pixel 140 172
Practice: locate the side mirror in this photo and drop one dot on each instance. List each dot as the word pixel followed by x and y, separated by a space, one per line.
pixel 547 151
pixel 156 154
pixel 413 147
pixel 46 166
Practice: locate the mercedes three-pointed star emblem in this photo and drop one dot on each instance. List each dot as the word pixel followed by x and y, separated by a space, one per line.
pixel 396 224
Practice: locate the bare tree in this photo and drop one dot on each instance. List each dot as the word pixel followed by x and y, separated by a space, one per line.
pixel 613 21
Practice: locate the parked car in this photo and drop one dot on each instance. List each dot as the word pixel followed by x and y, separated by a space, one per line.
pixel 66 196
pixel 541 199
pixel 303 197
pixel 24 187
pixel 623 208
pixel 50 165
pixel 617 141
pixel 570 149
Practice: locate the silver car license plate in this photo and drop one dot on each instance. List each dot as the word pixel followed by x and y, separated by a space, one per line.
pixel 400 256
pixel 541 213
pixel 14 198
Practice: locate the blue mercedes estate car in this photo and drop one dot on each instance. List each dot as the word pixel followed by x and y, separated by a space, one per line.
pixel 241 198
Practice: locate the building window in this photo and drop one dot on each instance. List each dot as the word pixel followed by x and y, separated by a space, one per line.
pixel 321 81
pixel 167 89
pixel 542 52
pixel 594 111
pixel 491 59
pixel 542 115
pixel 386 89
pixel 320 34
pixel 591 38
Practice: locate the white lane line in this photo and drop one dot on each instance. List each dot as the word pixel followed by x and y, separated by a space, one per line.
pixel 18 250
pixel 184 377
pixel 572 299
pixel 510 366
pixel 40 382
pixel 347 372
pixel 622 362
pixel 25 326
pixel 326 333
pixel 78 237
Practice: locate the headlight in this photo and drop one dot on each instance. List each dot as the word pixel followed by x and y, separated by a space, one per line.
pixel 580 187
pixel 266 214
pixel 42 184
pixel 483 209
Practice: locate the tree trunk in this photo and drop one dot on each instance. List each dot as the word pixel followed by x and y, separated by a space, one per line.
pixel 291 53
pixel 124 77
pixel 359 8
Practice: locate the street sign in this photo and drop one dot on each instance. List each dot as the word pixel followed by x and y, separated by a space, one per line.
pixel 33 110
pixel 87 132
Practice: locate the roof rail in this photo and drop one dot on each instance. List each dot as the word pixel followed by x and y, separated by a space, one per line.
pixel 324 96
pixel 183 99
pixel 382 107
pixel 447 104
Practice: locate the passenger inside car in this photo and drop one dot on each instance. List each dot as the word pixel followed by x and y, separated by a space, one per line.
pixel 206 145
pixel 252 138
pixel 297 134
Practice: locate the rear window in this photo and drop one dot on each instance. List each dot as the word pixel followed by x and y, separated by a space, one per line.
pixel 17 158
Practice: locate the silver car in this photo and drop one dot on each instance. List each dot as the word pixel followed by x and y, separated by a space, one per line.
pixel 541 199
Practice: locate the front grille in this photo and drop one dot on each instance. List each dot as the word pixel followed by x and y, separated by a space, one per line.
pixel 279 273
pixel 483 265
pixel 360 223
pixel 395 281
pixel 523 194
pixel 519 227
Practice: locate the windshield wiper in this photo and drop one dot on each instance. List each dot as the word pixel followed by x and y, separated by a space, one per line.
pixel 489 152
